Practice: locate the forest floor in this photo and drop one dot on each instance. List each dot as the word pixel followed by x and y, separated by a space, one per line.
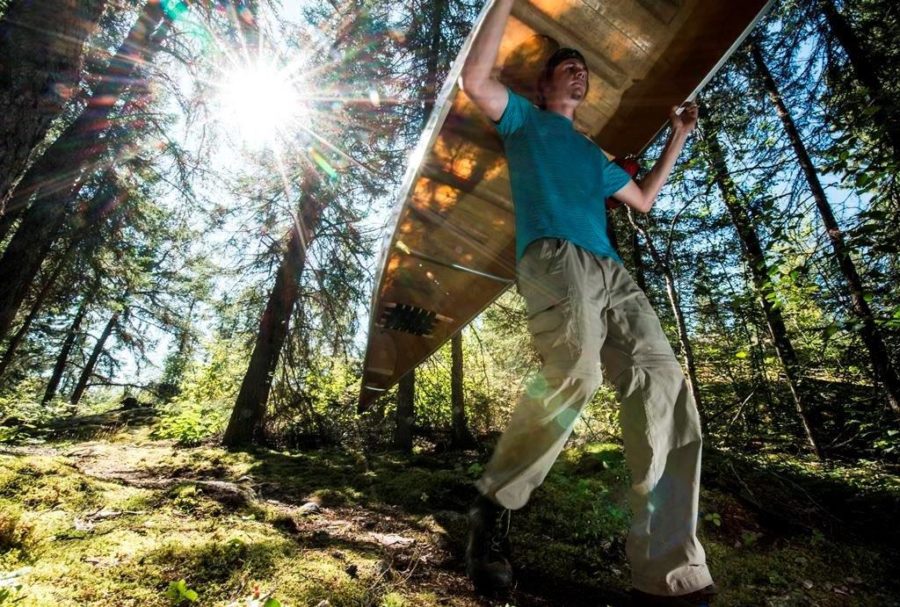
pixel 96 512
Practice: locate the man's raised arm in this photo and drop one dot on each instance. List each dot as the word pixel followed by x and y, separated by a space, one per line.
pixel 484 90
pixel 641 197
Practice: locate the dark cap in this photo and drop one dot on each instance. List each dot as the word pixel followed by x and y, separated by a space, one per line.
pixel 561 55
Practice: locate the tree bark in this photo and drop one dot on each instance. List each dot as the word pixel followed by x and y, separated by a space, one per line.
pixel 863 69
pixel 756 260
pixel 675 301
pixel 638 262
pixel 247 421
pixel 42 45
pixel 7 221
pixel 871 335
pixel 58 174
pixel 88 369
pixel 406 412
pixel 461 437
pixel 63 358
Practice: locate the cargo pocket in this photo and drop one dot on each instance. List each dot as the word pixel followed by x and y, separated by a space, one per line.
pixel 547 289
pixel 541 279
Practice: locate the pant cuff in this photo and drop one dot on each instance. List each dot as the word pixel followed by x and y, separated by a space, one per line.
pixel 496 495
pixel 697 578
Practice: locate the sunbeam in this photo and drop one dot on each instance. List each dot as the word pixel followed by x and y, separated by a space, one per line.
pixel 258 101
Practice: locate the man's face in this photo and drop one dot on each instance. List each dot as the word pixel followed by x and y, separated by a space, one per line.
pixel 569 81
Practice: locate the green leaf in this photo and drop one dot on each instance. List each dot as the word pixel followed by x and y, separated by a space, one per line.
pixel 271 603
pixel 742 354
pixel 178 591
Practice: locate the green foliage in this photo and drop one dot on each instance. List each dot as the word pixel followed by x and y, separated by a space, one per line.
pixel 8 596
pixel 320 408
pixel 190 423
pixel 206 396
pixel 714 518
pixel 23 401
pixel 571 533
pixel 186 498
pixel 331 384
pixel 217 378
pixel 393 599
pixel 179 594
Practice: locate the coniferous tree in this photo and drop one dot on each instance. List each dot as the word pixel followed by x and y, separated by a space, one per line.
pixel 55 179
pixel 62 358
pixel 870 333
pixel 248 416
pixel 756 262
pixel 43 49
pixel 885 111
pixel 87 371
pixel 332 182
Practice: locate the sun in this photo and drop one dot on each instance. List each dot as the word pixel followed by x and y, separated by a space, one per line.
pixel 259 102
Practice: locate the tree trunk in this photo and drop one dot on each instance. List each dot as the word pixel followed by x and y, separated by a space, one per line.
pixel 39 300
pixel 675 301
pixel 756 260
pixel 863 69
pixel 461 437
pixel 406 412
pixel 871 335
pixel 63 358
pixel 56 177
pixel 42 45
pixel 6 223
pixel 248 416
pixel 88 369
pixel 638 262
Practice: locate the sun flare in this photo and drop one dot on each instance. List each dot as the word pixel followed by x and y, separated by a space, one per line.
pixel 259 103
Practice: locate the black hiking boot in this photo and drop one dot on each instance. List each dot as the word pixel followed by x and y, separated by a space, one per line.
pixel 699 598
pixel 486 562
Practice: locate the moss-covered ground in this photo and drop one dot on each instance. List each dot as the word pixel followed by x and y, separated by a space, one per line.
pixel 121 519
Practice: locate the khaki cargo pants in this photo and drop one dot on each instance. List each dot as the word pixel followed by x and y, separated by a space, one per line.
pixel 584 310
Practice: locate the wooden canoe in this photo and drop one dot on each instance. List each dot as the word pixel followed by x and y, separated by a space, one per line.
pixel 451 251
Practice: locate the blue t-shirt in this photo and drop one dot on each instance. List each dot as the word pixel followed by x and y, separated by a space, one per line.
pixel 560 179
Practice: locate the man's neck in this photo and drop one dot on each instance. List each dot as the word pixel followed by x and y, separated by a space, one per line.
pixel 563 108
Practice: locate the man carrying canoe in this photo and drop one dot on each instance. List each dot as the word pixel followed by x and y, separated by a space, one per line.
pixel 583 310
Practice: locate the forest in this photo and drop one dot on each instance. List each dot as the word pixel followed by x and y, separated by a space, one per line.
pixel 193 199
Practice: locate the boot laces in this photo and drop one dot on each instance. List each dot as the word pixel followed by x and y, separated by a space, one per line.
pixel 501 531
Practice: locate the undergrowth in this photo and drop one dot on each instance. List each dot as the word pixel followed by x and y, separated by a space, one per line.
pixel 339 528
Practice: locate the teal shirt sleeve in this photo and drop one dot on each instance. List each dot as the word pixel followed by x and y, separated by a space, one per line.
pixel 614 177
pixel 513 118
